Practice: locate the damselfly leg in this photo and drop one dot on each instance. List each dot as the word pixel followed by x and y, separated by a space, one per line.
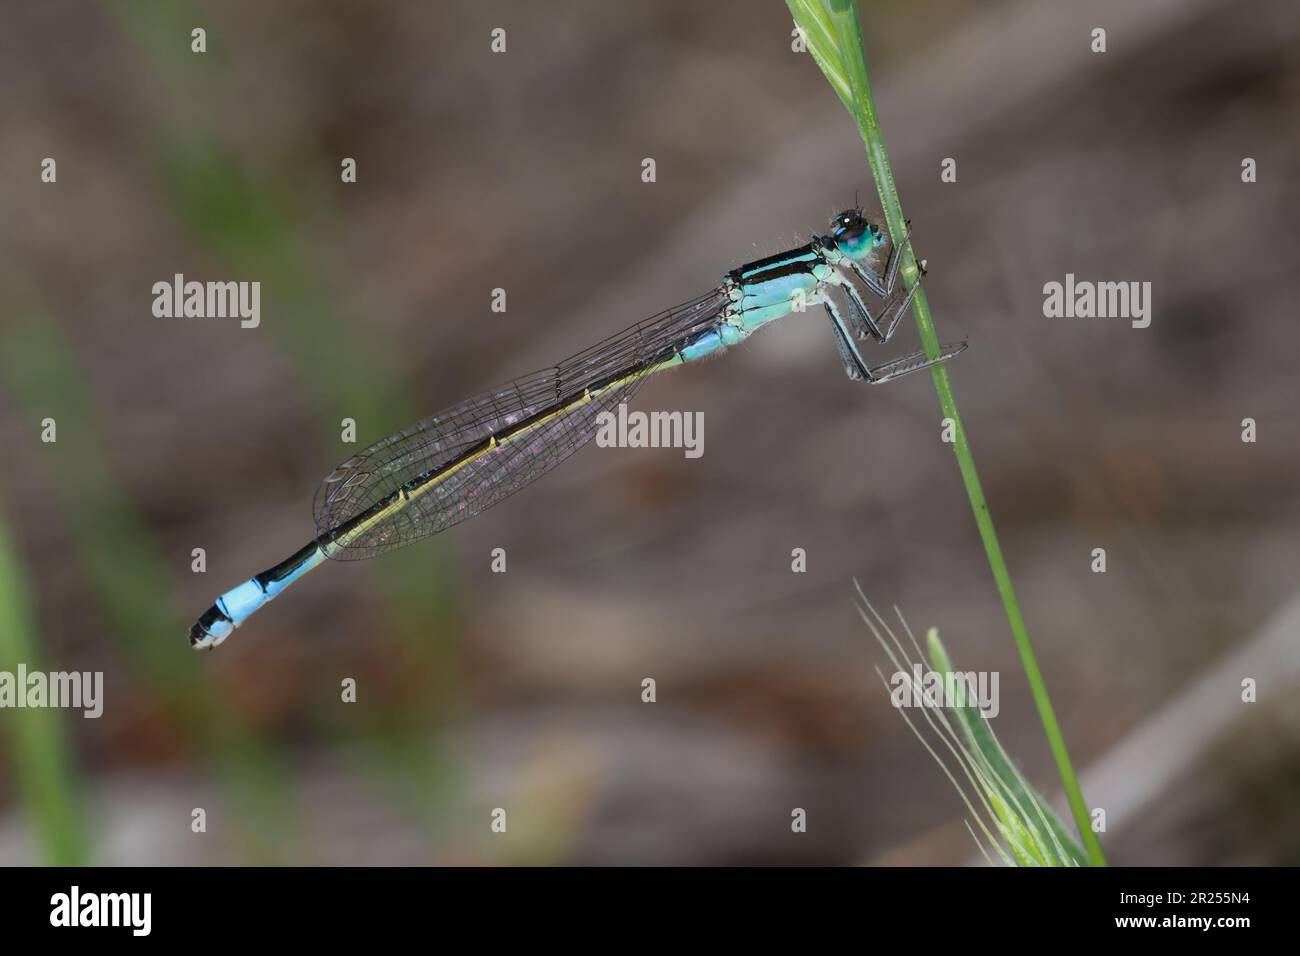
pixel 896 303
pixel 856 366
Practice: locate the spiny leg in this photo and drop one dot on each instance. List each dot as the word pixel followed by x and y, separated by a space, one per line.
pixel 861 316
pixel 868 278
pixel 902 308
pixel 856 368
pixel 882 285
pixel 896 259
pixel 896 300
pixel 864 321
pixel 913 363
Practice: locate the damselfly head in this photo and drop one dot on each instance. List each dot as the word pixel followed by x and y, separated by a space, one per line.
pixel 854 235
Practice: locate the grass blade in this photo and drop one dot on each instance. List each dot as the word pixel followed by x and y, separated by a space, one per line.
pixel 834 38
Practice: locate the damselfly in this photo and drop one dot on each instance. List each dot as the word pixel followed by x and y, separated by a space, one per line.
pixel 462 461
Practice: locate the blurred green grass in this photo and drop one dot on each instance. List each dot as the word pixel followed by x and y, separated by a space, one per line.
pixel 41 762
pixel 129 578
pixel 245 219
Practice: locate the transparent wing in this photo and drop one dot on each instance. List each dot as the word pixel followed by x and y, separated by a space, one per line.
pixel 404 460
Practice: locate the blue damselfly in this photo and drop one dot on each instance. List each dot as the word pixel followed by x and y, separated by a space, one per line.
pixel 460 462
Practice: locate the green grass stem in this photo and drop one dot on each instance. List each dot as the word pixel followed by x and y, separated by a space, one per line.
pixel 834 38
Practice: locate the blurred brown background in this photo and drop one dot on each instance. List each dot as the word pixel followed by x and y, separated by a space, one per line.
pixel 522 171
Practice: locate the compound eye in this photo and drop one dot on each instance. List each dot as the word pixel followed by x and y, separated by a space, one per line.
pixel 848 225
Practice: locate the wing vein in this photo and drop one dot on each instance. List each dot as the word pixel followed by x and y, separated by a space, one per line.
pixel 461 461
